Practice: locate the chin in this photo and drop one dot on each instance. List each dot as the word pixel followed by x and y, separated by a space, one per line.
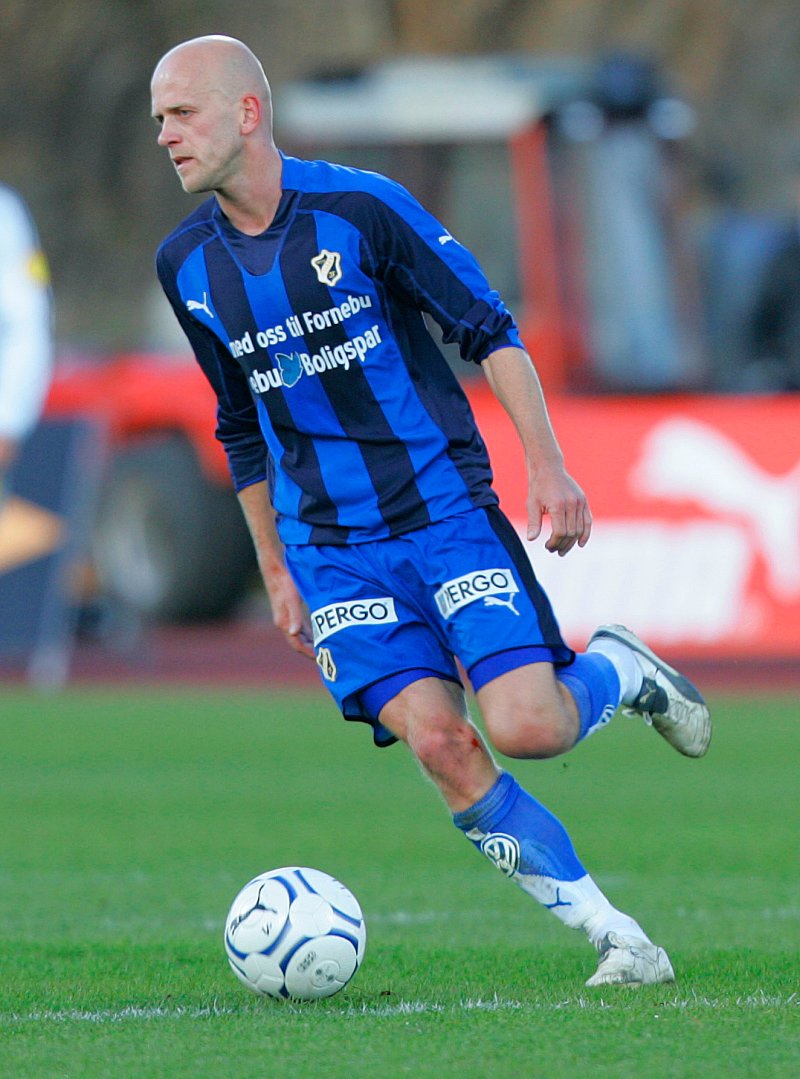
pixel 191 182
pixel 194 187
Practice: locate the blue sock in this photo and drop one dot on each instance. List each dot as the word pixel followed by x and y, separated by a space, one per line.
pixel 526 843
pixel 518 834
pixel 595 688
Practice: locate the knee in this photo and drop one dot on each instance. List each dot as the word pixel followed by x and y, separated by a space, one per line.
pixel 443 744
pixel 528 714
pixel 528 732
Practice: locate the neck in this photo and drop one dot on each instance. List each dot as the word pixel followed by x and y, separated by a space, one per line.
pixel 251 204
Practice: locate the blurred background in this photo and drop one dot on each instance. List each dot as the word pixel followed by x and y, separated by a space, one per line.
pixel 76 137
pixel 77 140
pixel 627 172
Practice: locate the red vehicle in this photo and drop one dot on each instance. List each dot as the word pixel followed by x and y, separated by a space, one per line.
pixel 529 163
pixel 169 539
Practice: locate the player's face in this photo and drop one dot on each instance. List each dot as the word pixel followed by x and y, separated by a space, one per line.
pixel 199 128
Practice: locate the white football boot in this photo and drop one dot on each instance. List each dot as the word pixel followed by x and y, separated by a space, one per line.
pixel 667 700
pixel 631 961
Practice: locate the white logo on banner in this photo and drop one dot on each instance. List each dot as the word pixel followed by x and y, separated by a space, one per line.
pixel 687 578
pixel 684 460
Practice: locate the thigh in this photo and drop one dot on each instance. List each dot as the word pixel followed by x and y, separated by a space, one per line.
pixel 428 704
pixel 528 712
pixel 431 717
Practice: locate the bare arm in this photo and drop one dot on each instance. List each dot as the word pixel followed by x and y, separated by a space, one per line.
pixel 551 490
pixel 287 606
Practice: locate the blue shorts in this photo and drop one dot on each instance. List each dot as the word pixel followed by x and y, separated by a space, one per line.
pixel 389 612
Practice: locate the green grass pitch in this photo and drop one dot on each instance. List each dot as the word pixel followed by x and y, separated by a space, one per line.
pixel 130 818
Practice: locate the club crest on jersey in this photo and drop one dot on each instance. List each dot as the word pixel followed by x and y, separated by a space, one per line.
pixel 490 585
pixel 327 266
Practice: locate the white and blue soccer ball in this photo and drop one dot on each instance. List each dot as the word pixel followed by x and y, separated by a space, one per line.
pixel 296 933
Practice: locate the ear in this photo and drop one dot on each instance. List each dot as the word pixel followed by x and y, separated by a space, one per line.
pixel 251 112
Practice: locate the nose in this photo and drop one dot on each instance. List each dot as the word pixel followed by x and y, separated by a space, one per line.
pixel 167 136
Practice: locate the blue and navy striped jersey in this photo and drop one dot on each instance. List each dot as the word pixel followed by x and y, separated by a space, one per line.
pixel 328 382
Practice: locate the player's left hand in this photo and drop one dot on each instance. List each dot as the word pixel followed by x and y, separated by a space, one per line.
pixel 556 495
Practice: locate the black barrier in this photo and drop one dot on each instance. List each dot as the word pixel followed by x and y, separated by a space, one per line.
pixel 44 525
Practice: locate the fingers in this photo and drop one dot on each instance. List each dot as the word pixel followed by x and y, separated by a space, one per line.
pixel 554 493
pixel 534 522
pixel 295 629
pixel 287 613
pixel 570 525
pixel 300 640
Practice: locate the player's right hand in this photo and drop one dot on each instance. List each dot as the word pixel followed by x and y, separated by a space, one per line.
pixel 288 613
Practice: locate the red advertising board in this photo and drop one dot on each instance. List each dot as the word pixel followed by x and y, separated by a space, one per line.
pixel 696 507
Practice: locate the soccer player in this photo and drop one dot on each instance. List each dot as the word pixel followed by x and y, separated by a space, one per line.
pixel 26 349
pixel 366 486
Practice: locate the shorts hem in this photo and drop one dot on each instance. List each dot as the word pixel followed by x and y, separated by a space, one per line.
pixel 488 668
pixel 378 693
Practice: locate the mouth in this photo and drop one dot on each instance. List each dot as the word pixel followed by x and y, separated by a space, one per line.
pixel 180 162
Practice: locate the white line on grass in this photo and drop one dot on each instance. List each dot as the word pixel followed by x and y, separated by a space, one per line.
pixel 110 1016
pixel 756 1000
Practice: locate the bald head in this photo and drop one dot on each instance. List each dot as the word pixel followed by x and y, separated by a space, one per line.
pixel 212 103
pixel 216 64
